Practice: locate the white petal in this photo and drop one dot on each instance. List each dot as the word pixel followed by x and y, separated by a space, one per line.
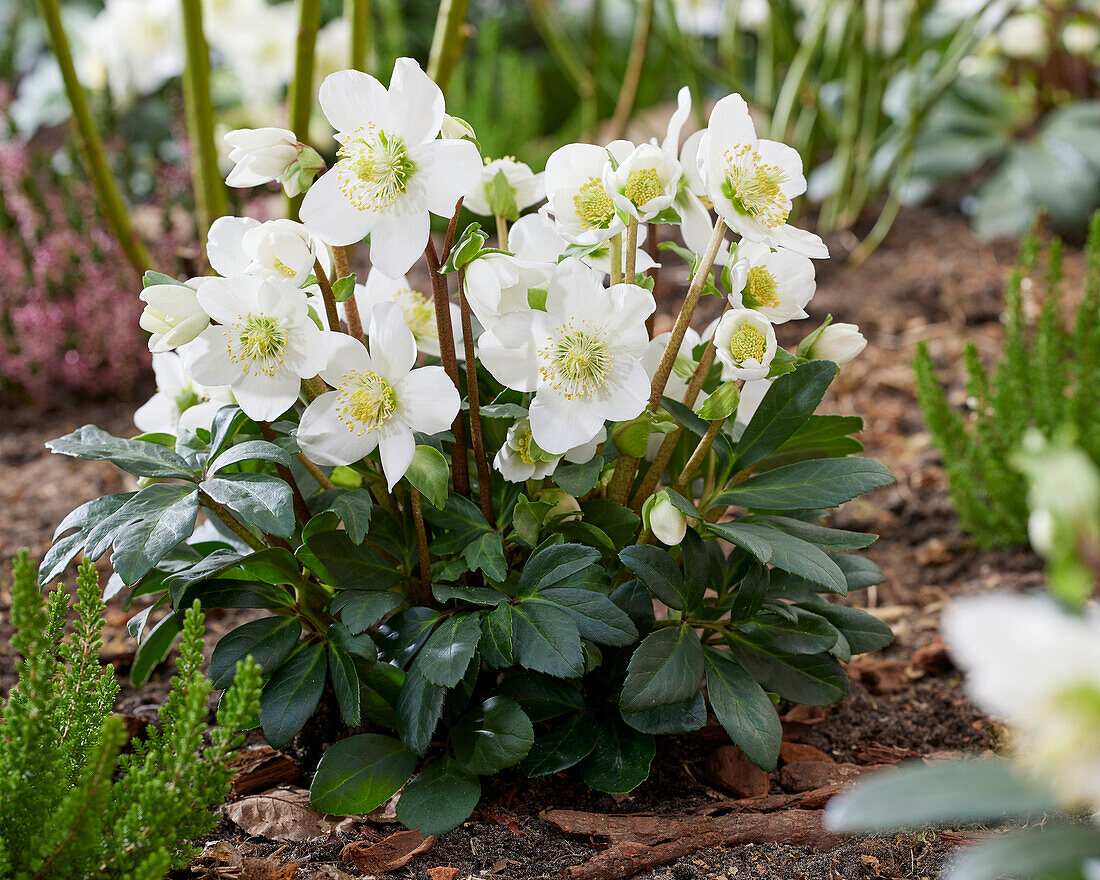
pixel 397 447
pixel 786 158
pixel 351 98
pixel 226 300
pixel 329 215
pixel 428 400
pixel 398 239
pixel 448 170
pixel 345 355
pixel 224 247
pixel 557 424
pixel 207 358
pixel 158 414
pixel 415 103
pixel 265 398
pixel 392 346
pixel 327 440
pixel 671 143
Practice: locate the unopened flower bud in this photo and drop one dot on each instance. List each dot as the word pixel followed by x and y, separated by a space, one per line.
pixel 456 128
pixel 838 343
pixel 261 155
pixel 172 315
pixel 666 522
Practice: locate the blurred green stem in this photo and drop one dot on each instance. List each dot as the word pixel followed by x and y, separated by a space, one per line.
pixel 548 22
pixel 301 87
pixel 358 11
pixel 634 66
pixel 448 41
pixel 92 150
pixel 206 179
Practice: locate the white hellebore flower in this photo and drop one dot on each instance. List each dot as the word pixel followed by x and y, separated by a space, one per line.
pixel 838 343
pixel 778 283
pixel 1037 667
pixel 179 402
pixel 392 171
pixel 516 462
pixel 581 357
pixel 284 250
pixel 666 522
pixel 579 200
pixel 646 181
pixel 260 155
pixel 263 345
pixel 417 308
pixel 172 315
pixel 527 187
pixel 499 283
pixel 535 237
pixel 752 182
pixel 379 401
pixel 745 343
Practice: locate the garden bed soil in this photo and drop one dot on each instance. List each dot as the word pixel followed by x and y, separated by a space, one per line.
pixel 932 280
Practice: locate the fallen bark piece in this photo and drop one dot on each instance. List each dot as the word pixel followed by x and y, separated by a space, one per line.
pixel 809 775
pixel 877 753
pixel 880 676
pixel 262 768
pixel 729 769
pixel 932 658
pixel 388 854
pixel 622 860
pixel 268 869
pixel 443 873
pixel 282 814
pixel 789 752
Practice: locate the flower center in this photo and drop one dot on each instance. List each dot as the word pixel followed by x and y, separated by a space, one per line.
pixel 262 343
pixel 642 186
pixel 593 205
pixel 522 443
pixel 756 188
pixel 366 401
pixel 419 313
pixel 375 169
pixel 578 361
pixel 284 268
pixel 762 287
pixel 748 343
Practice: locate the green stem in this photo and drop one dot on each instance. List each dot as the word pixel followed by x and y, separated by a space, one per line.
pixel 231 522
pixel 91 146
pixel 616 246
pixel 359 13
pixel 630 271
pixel 477 441
pixel 421 594
pixel 698 455
pixel 547 20
pixel 301 87
pixel 448 41
pixel 502 232
pixel 206 179
pixel 634 66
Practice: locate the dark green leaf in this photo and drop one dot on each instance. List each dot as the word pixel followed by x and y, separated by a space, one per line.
pixel 496 637
pixel 357 644
pixel 269 640
pixel 418 709
pixel 225 593
pixel 810 679
pixel 620 761
pixel 292 694
pixel 546 639
pixel 152 652
pixel 864 632
pixel 354 507
pixel 829 540
pixel 808 633
pixel 474 595
pixel 827 482
pixel 147 526
pixel 487 553
pixel 83 519
pixel 137 457
pixel 345 682
pixel 261 500
pixel 578 479
pixel 541 696
pixel 682 717
pixel 786 552
pixel 596 616
pixel 789 402
pixel 334 558
pixel 635 600
pixel 403 634
pixel 450 648
pixel 556 566
pixel 743 709
pixel 359 609
pixel 496 735
pixel 667 667
pixel 561 747
pixel 429 475
pixel 360 773
pixel 439 799
pixel 658 571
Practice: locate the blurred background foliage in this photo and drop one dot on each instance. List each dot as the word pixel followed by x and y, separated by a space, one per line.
pixel 987 105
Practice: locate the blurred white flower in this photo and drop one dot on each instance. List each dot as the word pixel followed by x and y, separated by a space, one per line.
pixel 262 54
pixel 1024 35
pixel 135 46
pixel 1081 37
pixel 417 308
pixel 745 343
pixel 379 399
pixel 703 17
pixel 392 171
pixel 1037 667
pixel 839 343
pixel 751 182
pixel 645 181
pixel 581 357
pixel 526 187
pixel 263 345
pixel 578 199
pixel 520 459
pixel 172 315
pixel 179 402
pixel 777 283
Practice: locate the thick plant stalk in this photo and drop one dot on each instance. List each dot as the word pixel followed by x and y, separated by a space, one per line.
pixel 327 295
pixel 448 41
pixel 351 307
pixel 634 65
pixel 630 271
pixel 698 455
pixel 477 440
pixel 616 247
pixel 315 472
pixel 421 594
pixel 502 232
pixel 231 522
pixel 358 11
pixel 91 146
pixel 301 87
pixel 206 179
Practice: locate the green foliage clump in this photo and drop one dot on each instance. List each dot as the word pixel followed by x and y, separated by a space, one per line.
pixel 70 805
pixel 1048 378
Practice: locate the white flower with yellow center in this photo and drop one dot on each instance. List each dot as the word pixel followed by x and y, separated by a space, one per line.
pixel 645 181
pixel 497 284
pixel 527 188
pixel 520 459
pixel 752 182
pixel 263 345
pixel 745 343
pixel 1037 667
pixel 379 399
pixel 179 402
pixel 777 283
pixel 417 307
pixel 279 250
pixel 578 199
pixel 392 171
pixel 535 238
pixel 581 356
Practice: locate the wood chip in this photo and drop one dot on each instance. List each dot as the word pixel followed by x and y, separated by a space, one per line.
pixel 730 770
pixel 388 854
pixel 809 775
pixel 262 768
pixel 443 873
pixel 789 752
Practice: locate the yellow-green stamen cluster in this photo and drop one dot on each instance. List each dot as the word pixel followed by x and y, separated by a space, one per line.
pixel 593 205
pixel 642 185
pixel 762 287
pixel 374 170
pixel 366 401
pixel 261 342
pixel 522 444
pixel 577 361
pixel 748 343
pixel 419 313
pixel 755 187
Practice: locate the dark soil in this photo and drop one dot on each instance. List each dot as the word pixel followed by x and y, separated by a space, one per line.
pixel 932 280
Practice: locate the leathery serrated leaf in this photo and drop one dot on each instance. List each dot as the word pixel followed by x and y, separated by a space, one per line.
pixel 743 709
pixel 666 667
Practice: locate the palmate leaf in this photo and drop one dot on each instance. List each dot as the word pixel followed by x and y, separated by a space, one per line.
pixel 784 551
pixel 810 679
pixel 268 640
pixel 658 571
pixel 291 695
pixel 546 639
pixel 145 528
pixel 260 500
pixel 562 746
pixel 620 760
pixel 449 649
pixel 743 709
